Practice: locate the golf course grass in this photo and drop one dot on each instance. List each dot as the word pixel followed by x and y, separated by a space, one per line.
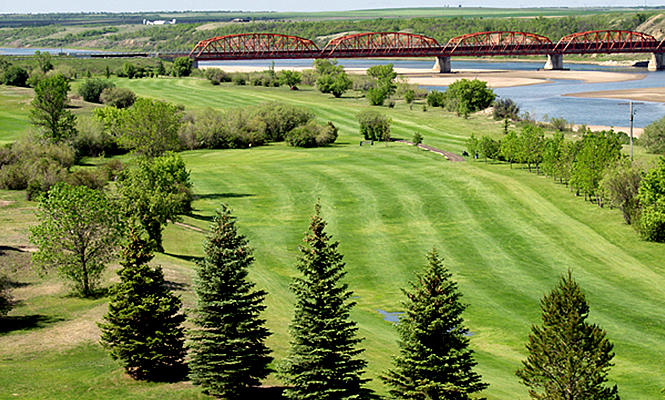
pixel 506 235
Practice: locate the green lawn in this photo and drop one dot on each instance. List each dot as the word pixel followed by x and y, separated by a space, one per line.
pixel 506 234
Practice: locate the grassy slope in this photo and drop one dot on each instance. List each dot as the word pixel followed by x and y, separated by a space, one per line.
pixel 506 235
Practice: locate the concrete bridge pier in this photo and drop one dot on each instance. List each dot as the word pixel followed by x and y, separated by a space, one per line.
pixel 442 65
pixel 657 61
pixel 195 64
pixel 554 62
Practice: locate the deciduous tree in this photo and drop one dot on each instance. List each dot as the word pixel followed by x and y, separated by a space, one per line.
pixel 620 185
pixel 49 110
pixel 569 358
pixel 654 137
pixel 651 196
pixel 150 127
pixel 434 361
pixel 78 232
pixel 153 192
pixel 143 327
pixel 228 350
pixel 323 361
pixel 373 125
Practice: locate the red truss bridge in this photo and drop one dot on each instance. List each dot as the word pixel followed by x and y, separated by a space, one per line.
pixel 252 46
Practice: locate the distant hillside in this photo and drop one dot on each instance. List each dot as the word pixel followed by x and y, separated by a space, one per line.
pixel 654 26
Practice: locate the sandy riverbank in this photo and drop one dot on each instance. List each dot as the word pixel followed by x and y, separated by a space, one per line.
pixel 645 94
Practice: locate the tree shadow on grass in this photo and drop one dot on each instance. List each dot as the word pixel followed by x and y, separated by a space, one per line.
pixel 265 393
pixel 184 257
pixel 201 217
pixel 171 285
pixel 219 196
pixel 26 322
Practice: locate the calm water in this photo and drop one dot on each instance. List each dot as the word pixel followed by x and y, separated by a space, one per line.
pixel 540 100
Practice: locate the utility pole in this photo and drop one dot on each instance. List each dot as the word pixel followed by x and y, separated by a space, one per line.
pixel 632 114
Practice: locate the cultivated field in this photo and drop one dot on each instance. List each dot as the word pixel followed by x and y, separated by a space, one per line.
pixel 507 235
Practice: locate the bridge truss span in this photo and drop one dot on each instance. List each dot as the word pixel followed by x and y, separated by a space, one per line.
pixel 609 41
pixel 254 46
pixel 498 43
pixel 382 44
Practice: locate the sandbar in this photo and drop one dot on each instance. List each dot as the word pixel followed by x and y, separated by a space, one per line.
pixel 656 94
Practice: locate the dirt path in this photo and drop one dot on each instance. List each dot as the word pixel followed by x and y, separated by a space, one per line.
pixel 448 155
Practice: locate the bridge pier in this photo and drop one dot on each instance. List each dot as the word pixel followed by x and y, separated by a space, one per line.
pixel 554 62
pixel 195 64
pixel 657 61
pixel 442 65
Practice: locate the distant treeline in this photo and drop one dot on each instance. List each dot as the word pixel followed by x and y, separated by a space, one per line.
pixel 185 36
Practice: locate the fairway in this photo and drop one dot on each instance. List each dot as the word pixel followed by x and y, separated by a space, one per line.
pixel 506 235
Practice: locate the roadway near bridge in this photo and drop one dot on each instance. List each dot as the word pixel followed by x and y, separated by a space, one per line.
pixel 256 46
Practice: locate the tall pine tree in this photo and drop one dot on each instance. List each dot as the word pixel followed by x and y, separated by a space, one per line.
pixel 142 328
pixel 323 361
pixel 228 351
pixel 568 357
pixel 434 360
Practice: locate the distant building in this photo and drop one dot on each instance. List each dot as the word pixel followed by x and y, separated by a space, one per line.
pixel 159 22
pixel 241 20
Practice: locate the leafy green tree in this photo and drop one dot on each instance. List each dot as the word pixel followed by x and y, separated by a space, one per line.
pixel 153 192
pixel 385 86
pixel 620 184
pixel 509 148
pixel 332 77
pixel 182 66
pixel 49 110
pixel 473 145
pixel 143 326
pixel 78 232
pixel 434 361
pixel 15 76
pixel 531 142
pixel 488 148
pixel 506 108
pixel 290 78
pixel 654 137
pixel 373 125
pixel 468 96
pixel 44 61
pixel 128 70
pixel 651 197
pixel 417 139
pixel 552 153
pixel 569 358
pixel 323 361
pixel 92 88
pixel 160 71
pixel 228 351
pixel 150 127
pixel 598 151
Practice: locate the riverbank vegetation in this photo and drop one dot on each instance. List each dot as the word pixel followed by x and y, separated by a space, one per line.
pixel 506 237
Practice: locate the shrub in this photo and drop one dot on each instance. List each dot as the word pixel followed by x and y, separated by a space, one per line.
pixel 435 98
pixel 468 96
pixel 654 137
pixel 216 76
pixel 15 76
pixel 239 78
pixel 93 140
pixel 312 135
pixel 117 97
pixel 91 89
pixel 506 108
pixel 377 96
pixel 281 118
pixel 374 126
pixel 560 124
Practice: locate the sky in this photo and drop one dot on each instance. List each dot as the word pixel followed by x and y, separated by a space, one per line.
pixel 46 6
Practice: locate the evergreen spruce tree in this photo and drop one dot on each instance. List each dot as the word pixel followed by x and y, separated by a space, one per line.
pixel 568 357
pixel 323 361
pixel 228 351
pixel 142 328
pixel 434 361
